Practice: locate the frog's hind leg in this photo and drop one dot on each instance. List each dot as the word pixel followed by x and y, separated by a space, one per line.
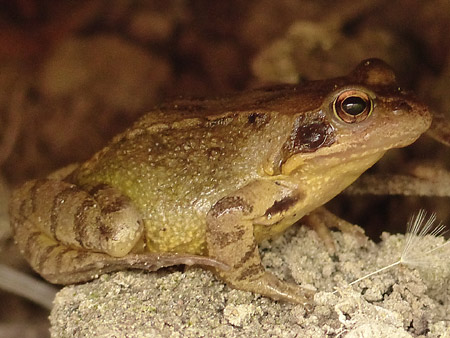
pixel 60 264
pixel 69 235
pixel 101 220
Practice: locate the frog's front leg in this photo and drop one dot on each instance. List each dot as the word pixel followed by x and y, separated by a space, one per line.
pixel 230 239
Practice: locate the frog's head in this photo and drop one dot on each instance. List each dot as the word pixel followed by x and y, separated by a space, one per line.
pixel 351 119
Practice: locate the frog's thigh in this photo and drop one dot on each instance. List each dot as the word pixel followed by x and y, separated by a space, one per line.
pixel 230 239
pixel 101 220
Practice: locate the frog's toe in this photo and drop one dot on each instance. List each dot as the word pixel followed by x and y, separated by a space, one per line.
pixel 288 292
pixel 271 286
pixel 322 231
pixel 321 220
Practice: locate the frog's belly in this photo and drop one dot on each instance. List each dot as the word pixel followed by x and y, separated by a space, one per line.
pixel 176 234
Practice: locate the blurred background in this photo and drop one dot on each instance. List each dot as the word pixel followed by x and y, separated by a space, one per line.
pixel 75 73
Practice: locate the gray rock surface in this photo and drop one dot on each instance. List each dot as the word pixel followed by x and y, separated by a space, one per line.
pixel 400 302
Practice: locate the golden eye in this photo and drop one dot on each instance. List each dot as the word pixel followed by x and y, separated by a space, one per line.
pixel 353 106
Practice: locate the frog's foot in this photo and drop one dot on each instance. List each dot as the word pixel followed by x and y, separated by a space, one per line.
pixel 321 220
pixel 254 278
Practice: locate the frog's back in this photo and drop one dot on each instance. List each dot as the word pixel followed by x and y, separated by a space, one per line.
pixel 175 166
pixel 212 140
pixel 195 146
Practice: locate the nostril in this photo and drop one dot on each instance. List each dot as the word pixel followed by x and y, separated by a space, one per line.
pixel 401 106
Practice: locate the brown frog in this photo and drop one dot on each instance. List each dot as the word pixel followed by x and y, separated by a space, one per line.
pixel 204 181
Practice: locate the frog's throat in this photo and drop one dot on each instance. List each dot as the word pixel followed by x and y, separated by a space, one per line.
pixel 318 184
pixel 322 183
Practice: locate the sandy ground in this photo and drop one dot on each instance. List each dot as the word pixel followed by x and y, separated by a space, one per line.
pixel 400 302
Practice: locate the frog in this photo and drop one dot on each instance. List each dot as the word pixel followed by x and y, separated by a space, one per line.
pixel 203 181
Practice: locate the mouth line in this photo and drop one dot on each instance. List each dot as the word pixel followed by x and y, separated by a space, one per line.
pixel 358 151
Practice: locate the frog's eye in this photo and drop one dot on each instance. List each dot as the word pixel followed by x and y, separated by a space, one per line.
pixel 353 106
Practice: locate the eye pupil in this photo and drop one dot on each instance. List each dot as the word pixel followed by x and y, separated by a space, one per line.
pixel 354 105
